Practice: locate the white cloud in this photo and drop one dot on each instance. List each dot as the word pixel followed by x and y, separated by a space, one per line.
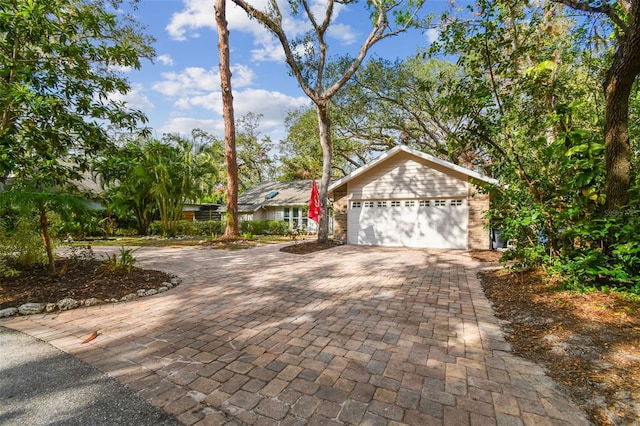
pixel 184 125
pixel 199 14
pixel 196 80
pixel 343 33
pixel 165 59
pixel 196 14
pixel 121 68
pixel 273 106
pixel 135 98
pixel 432 34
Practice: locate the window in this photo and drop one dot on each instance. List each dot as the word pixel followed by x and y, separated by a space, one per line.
pixel 440 203
pixel 356 204
pixel 456 202
pixel 368 203
pixel 395 204
pixel 382 204
pixel 409 203
pixel 286 214
pixel 296 217
pixel 425 203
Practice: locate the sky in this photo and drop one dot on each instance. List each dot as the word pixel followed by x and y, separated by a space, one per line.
pixel 180 89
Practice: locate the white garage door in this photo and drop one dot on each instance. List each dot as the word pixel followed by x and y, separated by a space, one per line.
pixel 409 223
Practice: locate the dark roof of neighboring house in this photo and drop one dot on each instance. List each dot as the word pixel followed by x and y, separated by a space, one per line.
pixel 273 194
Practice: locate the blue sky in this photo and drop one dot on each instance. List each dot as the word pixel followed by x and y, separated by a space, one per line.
pixel 180 90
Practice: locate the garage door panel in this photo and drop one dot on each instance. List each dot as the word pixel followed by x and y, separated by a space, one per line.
pixel 409 225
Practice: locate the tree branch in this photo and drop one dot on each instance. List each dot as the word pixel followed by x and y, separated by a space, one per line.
pixel 604 9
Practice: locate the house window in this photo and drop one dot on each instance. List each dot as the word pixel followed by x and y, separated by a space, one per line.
pixel 368 203
pixel 382 204
pixel 287 216
pixel 296 217
pixel 456 202
pixel 409 203
pixel 395 204
pixel 440 203
pixel 356 204
pixel 425 203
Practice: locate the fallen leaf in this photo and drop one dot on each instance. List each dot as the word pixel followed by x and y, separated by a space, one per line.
pixel 90 338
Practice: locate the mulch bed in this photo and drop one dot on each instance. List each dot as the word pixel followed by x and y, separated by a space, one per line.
pixel 77 279
pixel 589 343
pixel 307 247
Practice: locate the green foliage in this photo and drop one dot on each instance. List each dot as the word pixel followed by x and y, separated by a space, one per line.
pixel 198 228
pixel 152 178
pixel 264 227
pixel 23 246
pixel 124 263
pixel 252 152
pixel 51 208
pixel 59 68
pixel 537 123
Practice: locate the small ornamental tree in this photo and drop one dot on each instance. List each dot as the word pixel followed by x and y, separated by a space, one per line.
pixel 59 74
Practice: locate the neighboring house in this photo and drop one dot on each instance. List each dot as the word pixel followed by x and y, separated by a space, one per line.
pixel 201 212
pixel 287 201
pixel 412 199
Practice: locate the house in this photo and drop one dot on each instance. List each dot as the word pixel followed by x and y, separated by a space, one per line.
pixel 287 201
pixel 411 199
pixel 201 212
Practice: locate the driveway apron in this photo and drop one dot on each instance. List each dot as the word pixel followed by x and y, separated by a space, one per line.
pixel 350 335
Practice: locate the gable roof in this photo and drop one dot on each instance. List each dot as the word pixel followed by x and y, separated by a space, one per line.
pixel 273 194
pixel 403 148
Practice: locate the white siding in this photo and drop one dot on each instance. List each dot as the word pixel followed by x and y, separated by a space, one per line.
pixel 405 177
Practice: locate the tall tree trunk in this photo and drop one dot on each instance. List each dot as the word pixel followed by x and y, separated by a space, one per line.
pixel 46 239
pixel 324 125
pixel 617 89
pixel 231 231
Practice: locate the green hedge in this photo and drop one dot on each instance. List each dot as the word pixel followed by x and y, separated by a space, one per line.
pixel 264 227
pixel 204 228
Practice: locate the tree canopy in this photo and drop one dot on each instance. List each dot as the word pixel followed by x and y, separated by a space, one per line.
pixel 60 73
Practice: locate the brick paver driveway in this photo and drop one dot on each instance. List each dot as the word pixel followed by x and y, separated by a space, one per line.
pixel 351 335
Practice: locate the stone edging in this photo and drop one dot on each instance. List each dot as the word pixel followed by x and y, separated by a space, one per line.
pixel 67 303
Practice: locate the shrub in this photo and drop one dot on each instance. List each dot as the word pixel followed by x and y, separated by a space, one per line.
pixel 264 227
pixel 24 245
pixel 124 263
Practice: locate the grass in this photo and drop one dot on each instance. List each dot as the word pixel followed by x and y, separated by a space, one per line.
pixel 181 242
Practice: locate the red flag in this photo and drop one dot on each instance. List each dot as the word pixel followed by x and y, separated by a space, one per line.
pixel 314 203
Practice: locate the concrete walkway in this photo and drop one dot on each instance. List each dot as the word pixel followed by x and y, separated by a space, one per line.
pixel 351 335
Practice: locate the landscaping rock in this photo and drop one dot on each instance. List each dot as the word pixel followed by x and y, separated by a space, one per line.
pixel 50 307
pixel 92 301
pixel 167 285
pixel 151 292
pixel 162 289
pixel 175 280
pixel 8 312
pixel 30 308
pixel 141 292
pixel 129 296
pixel 67 303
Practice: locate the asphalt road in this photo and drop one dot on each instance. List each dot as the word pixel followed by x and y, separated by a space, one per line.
pixel 41 385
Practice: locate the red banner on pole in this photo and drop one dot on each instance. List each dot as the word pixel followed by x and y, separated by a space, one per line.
pixel 314 203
